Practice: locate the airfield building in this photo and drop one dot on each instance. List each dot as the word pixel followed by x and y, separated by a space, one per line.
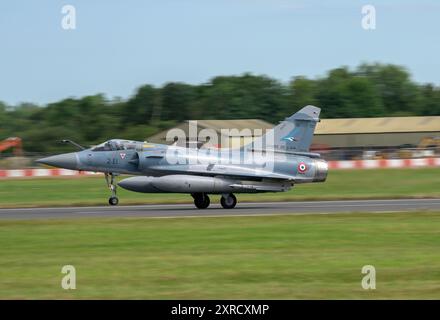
pixel 390 137
pixel 339 139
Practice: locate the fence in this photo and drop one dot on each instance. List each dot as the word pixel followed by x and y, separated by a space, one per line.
pixel 333 165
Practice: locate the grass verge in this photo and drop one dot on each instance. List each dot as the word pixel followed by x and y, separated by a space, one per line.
pixel 277 257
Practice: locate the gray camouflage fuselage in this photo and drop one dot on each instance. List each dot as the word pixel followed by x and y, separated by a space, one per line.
pixel 272 163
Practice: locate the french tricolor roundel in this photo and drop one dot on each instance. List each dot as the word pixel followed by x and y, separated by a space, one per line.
pixel 302 167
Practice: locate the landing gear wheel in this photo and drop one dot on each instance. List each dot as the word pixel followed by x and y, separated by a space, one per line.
pixel 202 201
pixel 228 201
pixel 113 201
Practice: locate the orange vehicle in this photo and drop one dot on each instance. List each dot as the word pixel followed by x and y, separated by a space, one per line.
pixel 12 142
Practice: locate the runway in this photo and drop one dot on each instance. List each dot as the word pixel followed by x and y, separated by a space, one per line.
pixel 242 209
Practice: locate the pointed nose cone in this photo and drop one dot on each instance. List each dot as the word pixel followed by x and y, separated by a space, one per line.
pixel 65 161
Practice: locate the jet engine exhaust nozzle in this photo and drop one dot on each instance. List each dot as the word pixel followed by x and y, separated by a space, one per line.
pixel 321 170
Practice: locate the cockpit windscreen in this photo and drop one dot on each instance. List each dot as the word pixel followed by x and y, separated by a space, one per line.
pixel 115 145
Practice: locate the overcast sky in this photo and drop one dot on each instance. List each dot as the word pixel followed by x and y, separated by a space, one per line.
pixel 120 45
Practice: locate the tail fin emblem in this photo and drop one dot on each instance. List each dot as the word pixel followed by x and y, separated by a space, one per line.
pixel 291 139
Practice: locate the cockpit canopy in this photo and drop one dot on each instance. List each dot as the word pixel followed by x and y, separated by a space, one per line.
pixel 118 144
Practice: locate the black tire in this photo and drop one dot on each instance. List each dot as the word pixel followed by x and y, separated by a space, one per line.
pixel 202 202
pixel 113 201
pixel 229 202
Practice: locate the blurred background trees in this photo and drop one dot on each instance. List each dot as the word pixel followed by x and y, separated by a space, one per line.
pixel 371 90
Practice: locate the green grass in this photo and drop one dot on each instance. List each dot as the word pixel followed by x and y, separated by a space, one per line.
pixel 286 257
pixel 349 184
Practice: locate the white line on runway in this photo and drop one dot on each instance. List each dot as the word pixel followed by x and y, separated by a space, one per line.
pixel 256 214
pixel 362 202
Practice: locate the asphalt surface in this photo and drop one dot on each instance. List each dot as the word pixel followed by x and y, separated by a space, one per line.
pixel 188 210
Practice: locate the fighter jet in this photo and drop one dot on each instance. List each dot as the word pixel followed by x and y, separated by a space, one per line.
pixel 273 162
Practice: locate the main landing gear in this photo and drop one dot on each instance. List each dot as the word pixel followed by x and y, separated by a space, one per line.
pixel 202 201
pixel 228 201
pixel 113 200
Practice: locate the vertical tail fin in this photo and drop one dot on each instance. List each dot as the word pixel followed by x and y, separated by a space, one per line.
pixel 294 134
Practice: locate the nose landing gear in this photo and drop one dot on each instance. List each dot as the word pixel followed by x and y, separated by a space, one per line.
pixel 113 200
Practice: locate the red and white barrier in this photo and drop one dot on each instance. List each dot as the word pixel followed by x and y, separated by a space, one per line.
pixel 35 173
pixel 333 165
pixel 385 163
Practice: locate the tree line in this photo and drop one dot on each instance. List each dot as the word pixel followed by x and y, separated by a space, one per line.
pixel 370 90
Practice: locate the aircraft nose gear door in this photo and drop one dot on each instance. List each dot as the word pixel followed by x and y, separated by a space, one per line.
pixel 113 200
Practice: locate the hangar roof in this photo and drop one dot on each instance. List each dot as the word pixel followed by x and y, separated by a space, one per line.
pixel 378 125
pixel 341 126
pixel 327 126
